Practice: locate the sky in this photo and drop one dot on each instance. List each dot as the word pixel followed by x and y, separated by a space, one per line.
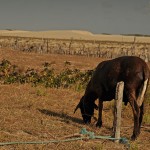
pixel 96 16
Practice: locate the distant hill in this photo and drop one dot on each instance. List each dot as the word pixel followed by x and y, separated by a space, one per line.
pixel 75 34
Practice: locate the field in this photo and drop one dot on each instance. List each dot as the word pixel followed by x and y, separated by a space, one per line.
pixel 29 113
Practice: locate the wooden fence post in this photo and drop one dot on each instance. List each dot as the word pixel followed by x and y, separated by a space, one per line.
pixel 117 110
pixel 16 44
pixel 47 50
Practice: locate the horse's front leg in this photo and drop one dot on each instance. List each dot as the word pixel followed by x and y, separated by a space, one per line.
pixel 99 122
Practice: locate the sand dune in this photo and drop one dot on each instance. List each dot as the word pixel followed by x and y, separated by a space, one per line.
pixel 72 34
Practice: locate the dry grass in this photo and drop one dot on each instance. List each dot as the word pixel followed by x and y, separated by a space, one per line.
pixel 36 113
pixel 35 60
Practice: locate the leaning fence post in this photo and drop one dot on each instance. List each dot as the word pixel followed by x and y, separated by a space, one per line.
pixel 117 110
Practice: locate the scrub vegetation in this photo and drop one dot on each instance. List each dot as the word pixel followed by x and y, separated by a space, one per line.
pixel 38 94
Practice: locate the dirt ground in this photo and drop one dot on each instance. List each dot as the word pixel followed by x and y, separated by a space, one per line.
pixel 41 114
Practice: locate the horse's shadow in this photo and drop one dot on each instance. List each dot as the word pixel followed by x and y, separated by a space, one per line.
pixel 65 118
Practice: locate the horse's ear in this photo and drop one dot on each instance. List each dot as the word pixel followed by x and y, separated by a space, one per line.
pixel 78 106
pixel 95 106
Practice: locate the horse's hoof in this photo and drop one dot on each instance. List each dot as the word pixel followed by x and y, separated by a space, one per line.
pixel 99 124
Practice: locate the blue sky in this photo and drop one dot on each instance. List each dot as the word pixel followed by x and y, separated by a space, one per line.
pixel 96 16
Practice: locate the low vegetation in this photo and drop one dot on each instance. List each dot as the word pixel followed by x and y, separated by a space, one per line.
pixel 67 78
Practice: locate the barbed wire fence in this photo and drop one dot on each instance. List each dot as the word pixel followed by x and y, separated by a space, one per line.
pixel 89 48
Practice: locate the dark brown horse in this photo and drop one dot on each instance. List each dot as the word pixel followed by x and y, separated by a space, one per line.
pixel 133 71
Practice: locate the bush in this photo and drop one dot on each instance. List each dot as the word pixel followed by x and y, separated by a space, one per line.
pixel 68 78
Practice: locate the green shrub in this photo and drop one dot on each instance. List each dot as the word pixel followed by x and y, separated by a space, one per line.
pixel 67 78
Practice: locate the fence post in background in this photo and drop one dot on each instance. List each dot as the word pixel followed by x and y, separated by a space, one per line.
pixel 16 44
pixel 70 44
pixel 47 46
pixel 117 110
pixel 133 46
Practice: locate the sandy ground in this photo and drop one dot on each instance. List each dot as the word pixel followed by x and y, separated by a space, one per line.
pixel 73 34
